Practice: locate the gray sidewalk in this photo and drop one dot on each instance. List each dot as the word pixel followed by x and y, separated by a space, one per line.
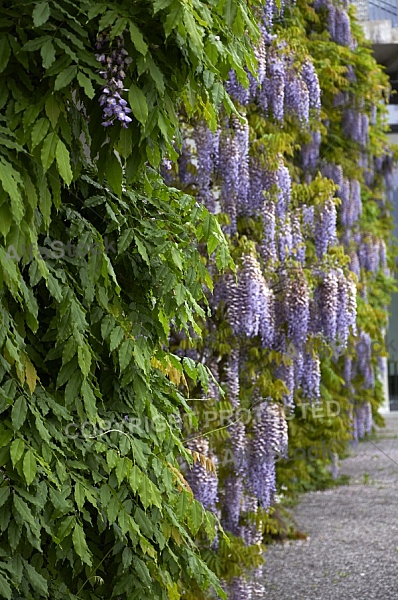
pixel 352 548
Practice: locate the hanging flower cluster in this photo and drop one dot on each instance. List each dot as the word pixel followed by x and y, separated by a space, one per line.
pixel 338 21
pixel 113 65
pixel 204 483
pixel 356 126
pixel 269 438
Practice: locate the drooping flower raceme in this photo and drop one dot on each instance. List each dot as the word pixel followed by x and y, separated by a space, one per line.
pixel 269 438
pixel 204 483
pixel 113 65
pixel 325 228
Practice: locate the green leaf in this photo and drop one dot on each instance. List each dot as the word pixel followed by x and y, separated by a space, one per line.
pixel 230 12
pixel 18 413
pixel 107 19
pixel 86 84
pixel 111 458
pixel 138 448
pixel 118 28
pixel 41 13
pixel 137 39
pixel 173 19
pixel 80 495
pixel 39 131
pixel 80 544
pixel 212 244
pixel 47 52
pixel 127 557
pixel 180 293
pixel 182 505
pixel 164 322
pixel 223 257
pixel 5 53
pixel 210 525
pixel 114 174
pixel 84 359
pixel 14 534
pixel 5 589
pixel 142 571
pixel 35 44
pixel 142 250
pixel 16 450
pixel 52 110
pixel 124 242
pixel 125 354
pixel 90 403
pixel 160 4
pixel 17 568
pixel 48 150
pixel 65 527
pixel 9 179
pixel 73 387
pixel 138 103
pixel 122 469
pixel 4 494
pixel 65 77
pixel 176 256
pixel 195 516
pixel 126 140
pixel 207 226
pixel 24 511
pixel 140 358
pixel 146 491
pixel 36 580
pixel 195 32
pixel 5 436
pixel 29 467
pixel 135 478
pixel 63 162
pixel 217 93
pixel 190 368
pixel 116 337
pixel 156 75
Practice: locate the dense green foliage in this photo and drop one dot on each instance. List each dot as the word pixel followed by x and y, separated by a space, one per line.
pixel 101 261
pixel 98 258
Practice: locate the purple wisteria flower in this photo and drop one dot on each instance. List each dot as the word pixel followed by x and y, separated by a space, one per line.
pixel 207 153
pixel 268 245
pixel 297 99
pixel 311 379
pixel 276 89
pixel 329 304
pixel 311 80
pixel 113 65
pixel 236 89
pixel 310 152
pixel 269 439
pixel 232 377
pixel 297 303
pixel 234 488
pixel 297 238
pixel 204 483
pixel 325 228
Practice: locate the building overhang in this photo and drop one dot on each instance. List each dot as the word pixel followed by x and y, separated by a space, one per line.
pixel 384 39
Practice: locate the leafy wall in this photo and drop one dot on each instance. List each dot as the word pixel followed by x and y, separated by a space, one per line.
pixel 107 272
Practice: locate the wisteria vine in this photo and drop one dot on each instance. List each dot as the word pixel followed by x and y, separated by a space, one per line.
pixel 300 263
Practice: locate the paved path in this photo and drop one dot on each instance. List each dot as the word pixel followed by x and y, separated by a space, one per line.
pixel 352 548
